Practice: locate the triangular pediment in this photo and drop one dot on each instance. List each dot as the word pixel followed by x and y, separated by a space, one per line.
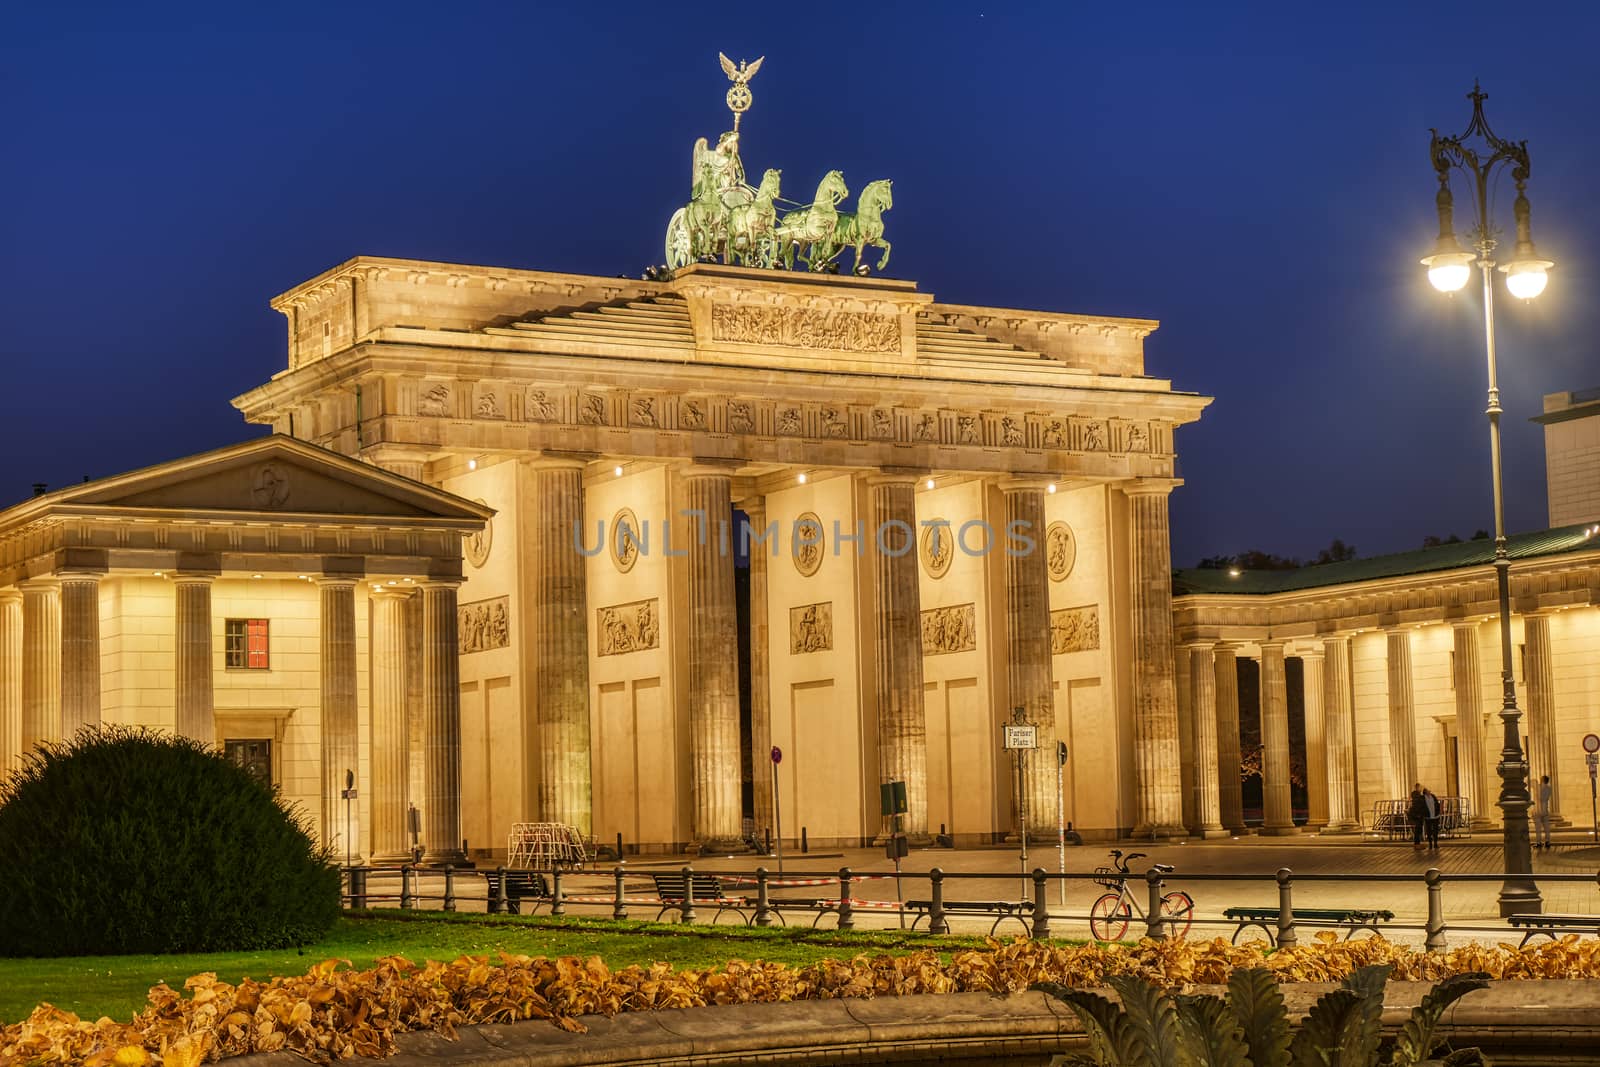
pixel 273 475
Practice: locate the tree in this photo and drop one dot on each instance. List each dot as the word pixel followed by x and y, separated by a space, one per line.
pixel 1337 552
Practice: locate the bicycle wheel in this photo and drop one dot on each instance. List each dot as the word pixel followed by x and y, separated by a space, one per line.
pixel 1108 919
pixel 1177 914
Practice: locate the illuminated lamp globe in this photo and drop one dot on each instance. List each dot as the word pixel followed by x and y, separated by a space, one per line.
pixel 1448 271
pixel 1526 278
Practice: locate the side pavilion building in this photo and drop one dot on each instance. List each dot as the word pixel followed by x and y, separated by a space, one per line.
pixel 887 450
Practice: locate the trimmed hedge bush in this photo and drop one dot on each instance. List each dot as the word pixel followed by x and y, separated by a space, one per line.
pixel 129 840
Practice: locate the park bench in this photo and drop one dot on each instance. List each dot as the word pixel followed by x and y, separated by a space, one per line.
pixel 1550 924
pixel 1020 910
pixel 703 889
pixel 519 886
pixel 1266 919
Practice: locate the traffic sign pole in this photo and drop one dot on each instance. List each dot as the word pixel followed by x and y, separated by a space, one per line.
pixel 1591 756
pixel 1061 816
pixel 777 810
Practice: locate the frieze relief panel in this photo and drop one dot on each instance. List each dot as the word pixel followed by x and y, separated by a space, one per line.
pixel 489 402
pixel 624 628
pixel 483 625
pixel 840 331
pixel 811 628
pixel 434 400
pixel 952 629
pixel 1075 630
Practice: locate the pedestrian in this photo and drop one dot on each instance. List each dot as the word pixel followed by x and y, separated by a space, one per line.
pixel 1431 812
pixel 1541 814
pixel 1416 815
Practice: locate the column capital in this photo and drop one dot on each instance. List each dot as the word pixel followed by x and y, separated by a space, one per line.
pixel 391 592
pixel 42 584
pixel 577 461
pixel 12 595
pixel 895 476
pixel 1309 652
pixel 1149 486
pixel 336 580
pixel 1023 484
pixel 707 468
pixel 1272 642
pixel 78 574
pixel 191 578
pixel 1465 624
pixel 1199 645
pixel 440 583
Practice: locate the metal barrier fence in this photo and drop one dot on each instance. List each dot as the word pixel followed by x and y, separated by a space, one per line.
pixel 360 891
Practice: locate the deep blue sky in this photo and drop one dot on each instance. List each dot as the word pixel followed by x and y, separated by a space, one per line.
pixel 1256 177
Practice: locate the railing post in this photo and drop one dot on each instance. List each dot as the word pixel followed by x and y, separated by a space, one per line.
pixel 763 916
pixel 1286 935
pixel 498 901
pixel 405 886
pixel 1155 925
pixel 449 888
pixel 1041 906
pixel 937 923
pixel 686 909
pixel 1435 882
pixel 847 918
pixel 556 906
pixel 619 910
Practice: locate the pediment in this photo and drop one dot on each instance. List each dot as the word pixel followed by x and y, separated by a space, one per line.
pixel 275 475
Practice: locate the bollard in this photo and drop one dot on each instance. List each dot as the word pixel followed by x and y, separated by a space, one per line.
pixel 497 899
pixel 556 905
pixel 619 910
pixel 1286 934
pixel 767 848
pixel 1041 907
pixel 358 887
pixel 803 846
pixel 449 888
pixel 1435 939
pixel 937 923
pixel 686 909
pixel 847 918
pixel 405 886
pixel 619 846
pixel 763 916
pixel 1155 927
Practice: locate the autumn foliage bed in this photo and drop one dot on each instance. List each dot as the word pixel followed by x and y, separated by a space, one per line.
pixel 334 1012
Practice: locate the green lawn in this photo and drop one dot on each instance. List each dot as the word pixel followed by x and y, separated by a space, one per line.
pixel 94 986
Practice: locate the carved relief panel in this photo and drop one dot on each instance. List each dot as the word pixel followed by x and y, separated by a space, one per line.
pixel 1061 550
pixel 1075 630
pixel 624 628
pixel 483 625
pixel 843 331
pixel 952 629
pixel 811 628
pixel 434 400
pixel 807 547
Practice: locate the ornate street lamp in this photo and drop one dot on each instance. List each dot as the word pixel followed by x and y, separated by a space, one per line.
pixel 1449 267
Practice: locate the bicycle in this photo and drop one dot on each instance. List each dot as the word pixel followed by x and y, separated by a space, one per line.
pixel 1112 912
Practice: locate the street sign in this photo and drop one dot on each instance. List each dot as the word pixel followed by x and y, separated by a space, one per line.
pixel 777 754
pixel 1591 743
pixel 1023 737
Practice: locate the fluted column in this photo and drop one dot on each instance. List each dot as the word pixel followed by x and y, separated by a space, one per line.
pixel 1278 816
pixel 41 661
pixel 388 744
pixel 1402 716
pixel 1311 685
pixel 10 678
pixel 1186 753
pixel 897 627
pixel 1230 802
pixel 760 677
pixel 80 651
pixel 559 744
pixel 1157 754
pixel 1471 759
pixel 1539 676
pixel 340 743
pixel 713 661
pixel 416 717
pixel 1028 662
pixel 194 692
pixel 1202 671
pixel 1338 706
pixel 441 702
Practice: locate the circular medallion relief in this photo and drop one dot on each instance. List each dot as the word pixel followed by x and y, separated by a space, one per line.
pixel 1061 550
pixel 476 546
pixel 938 547
pixel 624 539
pixel 806 544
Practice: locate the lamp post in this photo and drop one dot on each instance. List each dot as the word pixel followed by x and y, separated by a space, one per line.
pixel 1449 268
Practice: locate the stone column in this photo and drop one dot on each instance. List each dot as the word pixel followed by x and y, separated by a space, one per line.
pixel 80 651
pixel 1344 813
pixel 339 740
pixel 1155 714
pixel 897 647
pixel 559 742
pixel 1202 672
pixel 416 716
pixel 1278 815
pixel 10 678
pixel 713 661
pixel 1539 677
pixel 388 745
pixel 1402 717
pixel 1186 764
pixel 1471 758
pixel 1311 685
pixel 760 678
pixel 441 703
pixel 1028 661
pixel 194 694
pixel 41 661
pixel 1230 802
